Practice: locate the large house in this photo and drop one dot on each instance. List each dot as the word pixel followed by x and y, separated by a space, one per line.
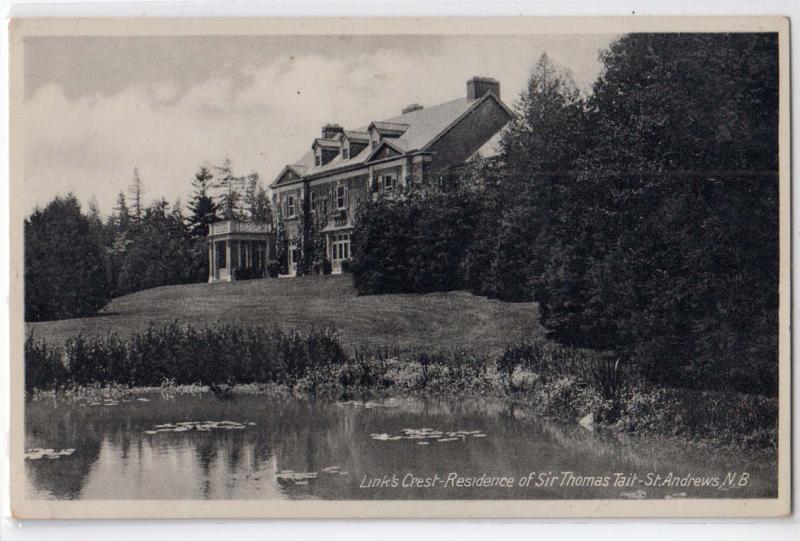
pixel 345 166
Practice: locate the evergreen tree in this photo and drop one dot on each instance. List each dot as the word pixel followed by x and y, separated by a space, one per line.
pixel 121 213
pixel 160 251
pixel 136 190
pixel 231 191
pixel 202 207
pixel 539 148
pixel 665 246
pixel 256 202
pixel 262 209
pixel 66 273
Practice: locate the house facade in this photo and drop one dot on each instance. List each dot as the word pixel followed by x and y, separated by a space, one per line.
pixel 344 167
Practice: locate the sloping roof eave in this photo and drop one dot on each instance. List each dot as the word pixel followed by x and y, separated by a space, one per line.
pixel 283 172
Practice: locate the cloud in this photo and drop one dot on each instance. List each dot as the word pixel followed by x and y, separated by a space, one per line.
pixel 262 117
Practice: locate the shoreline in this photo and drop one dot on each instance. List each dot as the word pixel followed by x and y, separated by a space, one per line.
pixel 526 403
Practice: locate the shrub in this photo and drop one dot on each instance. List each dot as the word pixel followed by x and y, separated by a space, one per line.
pixel 607 376
pixel 274 268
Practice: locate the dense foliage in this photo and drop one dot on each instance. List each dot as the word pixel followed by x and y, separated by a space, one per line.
pixel 642 219
pixel 184 355
pixel 417 242
pixel 666 248
pixel 75 262
pixel 66 268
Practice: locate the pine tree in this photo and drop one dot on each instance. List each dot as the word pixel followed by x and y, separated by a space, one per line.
pixel 204 211
pixel 137 193
pixel 262 209
pixel 231 186
pixel 122 214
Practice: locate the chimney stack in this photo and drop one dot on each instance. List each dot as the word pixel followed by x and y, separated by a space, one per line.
pixel 478 87
pixel 329 131
pixel 411 108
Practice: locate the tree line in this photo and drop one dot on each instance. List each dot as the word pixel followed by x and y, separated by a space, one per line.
pixel 76 261
pixel 642 218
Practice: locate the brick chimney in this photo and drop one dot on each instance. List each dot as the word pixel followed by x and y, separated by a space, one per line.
pixel 411 108
pixel 478 87
pixel 329 131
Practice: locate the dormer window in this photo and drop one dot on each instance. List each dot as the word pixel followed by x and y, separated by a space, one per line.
pixel 345 153
pixel 317 160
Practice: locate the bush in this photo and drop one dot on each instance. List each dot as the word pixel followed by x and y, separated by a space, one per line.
pixel 274 268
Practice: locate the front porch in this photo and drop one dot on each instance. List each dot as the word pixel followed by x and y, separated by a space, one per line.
pixel 238 250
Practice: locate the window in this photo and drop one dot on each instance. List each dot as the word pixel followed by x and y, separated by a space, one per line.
pixel 339 194
pixel 345 153
pixel 317 160
pixel 340 247
pixel 388 183
pixel 290 206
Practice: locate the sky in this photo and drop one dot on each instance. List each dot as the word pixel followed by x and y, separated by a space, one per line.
pixel 95 108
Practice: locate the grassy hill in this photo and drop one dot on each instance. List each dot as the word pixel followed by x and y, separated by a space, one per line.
pixel 455 320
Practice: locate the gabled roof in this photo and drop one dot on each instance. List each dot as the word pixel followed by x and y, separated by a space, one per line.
pixel 389 128
pixel 396 145
pixel 329 143
pixel 360 136
pixel 299 171
pixel 421 128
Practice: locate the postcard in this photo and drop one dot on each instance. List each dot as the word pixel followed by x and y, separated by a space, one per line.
pixel 385 267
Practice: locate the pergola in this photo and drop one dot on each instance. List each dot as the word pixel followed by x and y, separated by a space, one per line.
pixel 238 250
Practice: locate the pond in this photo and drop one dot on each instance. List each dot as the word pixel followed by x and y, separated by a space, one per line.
pixel 256 447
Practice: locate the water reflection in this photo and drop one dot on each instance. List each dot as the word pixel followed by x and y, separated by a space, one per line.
pixel 116 459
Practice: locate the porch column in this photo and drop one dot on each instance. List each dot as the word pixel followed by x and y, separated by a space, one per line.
pixel 228 262
pixel 210 260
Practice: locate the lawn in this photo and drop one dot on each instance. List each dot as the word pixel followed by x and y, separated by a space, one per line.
pixel 454 320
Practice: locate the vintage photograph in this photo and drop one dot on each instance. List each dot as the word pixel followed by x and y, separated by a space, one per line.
pixel 467 268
